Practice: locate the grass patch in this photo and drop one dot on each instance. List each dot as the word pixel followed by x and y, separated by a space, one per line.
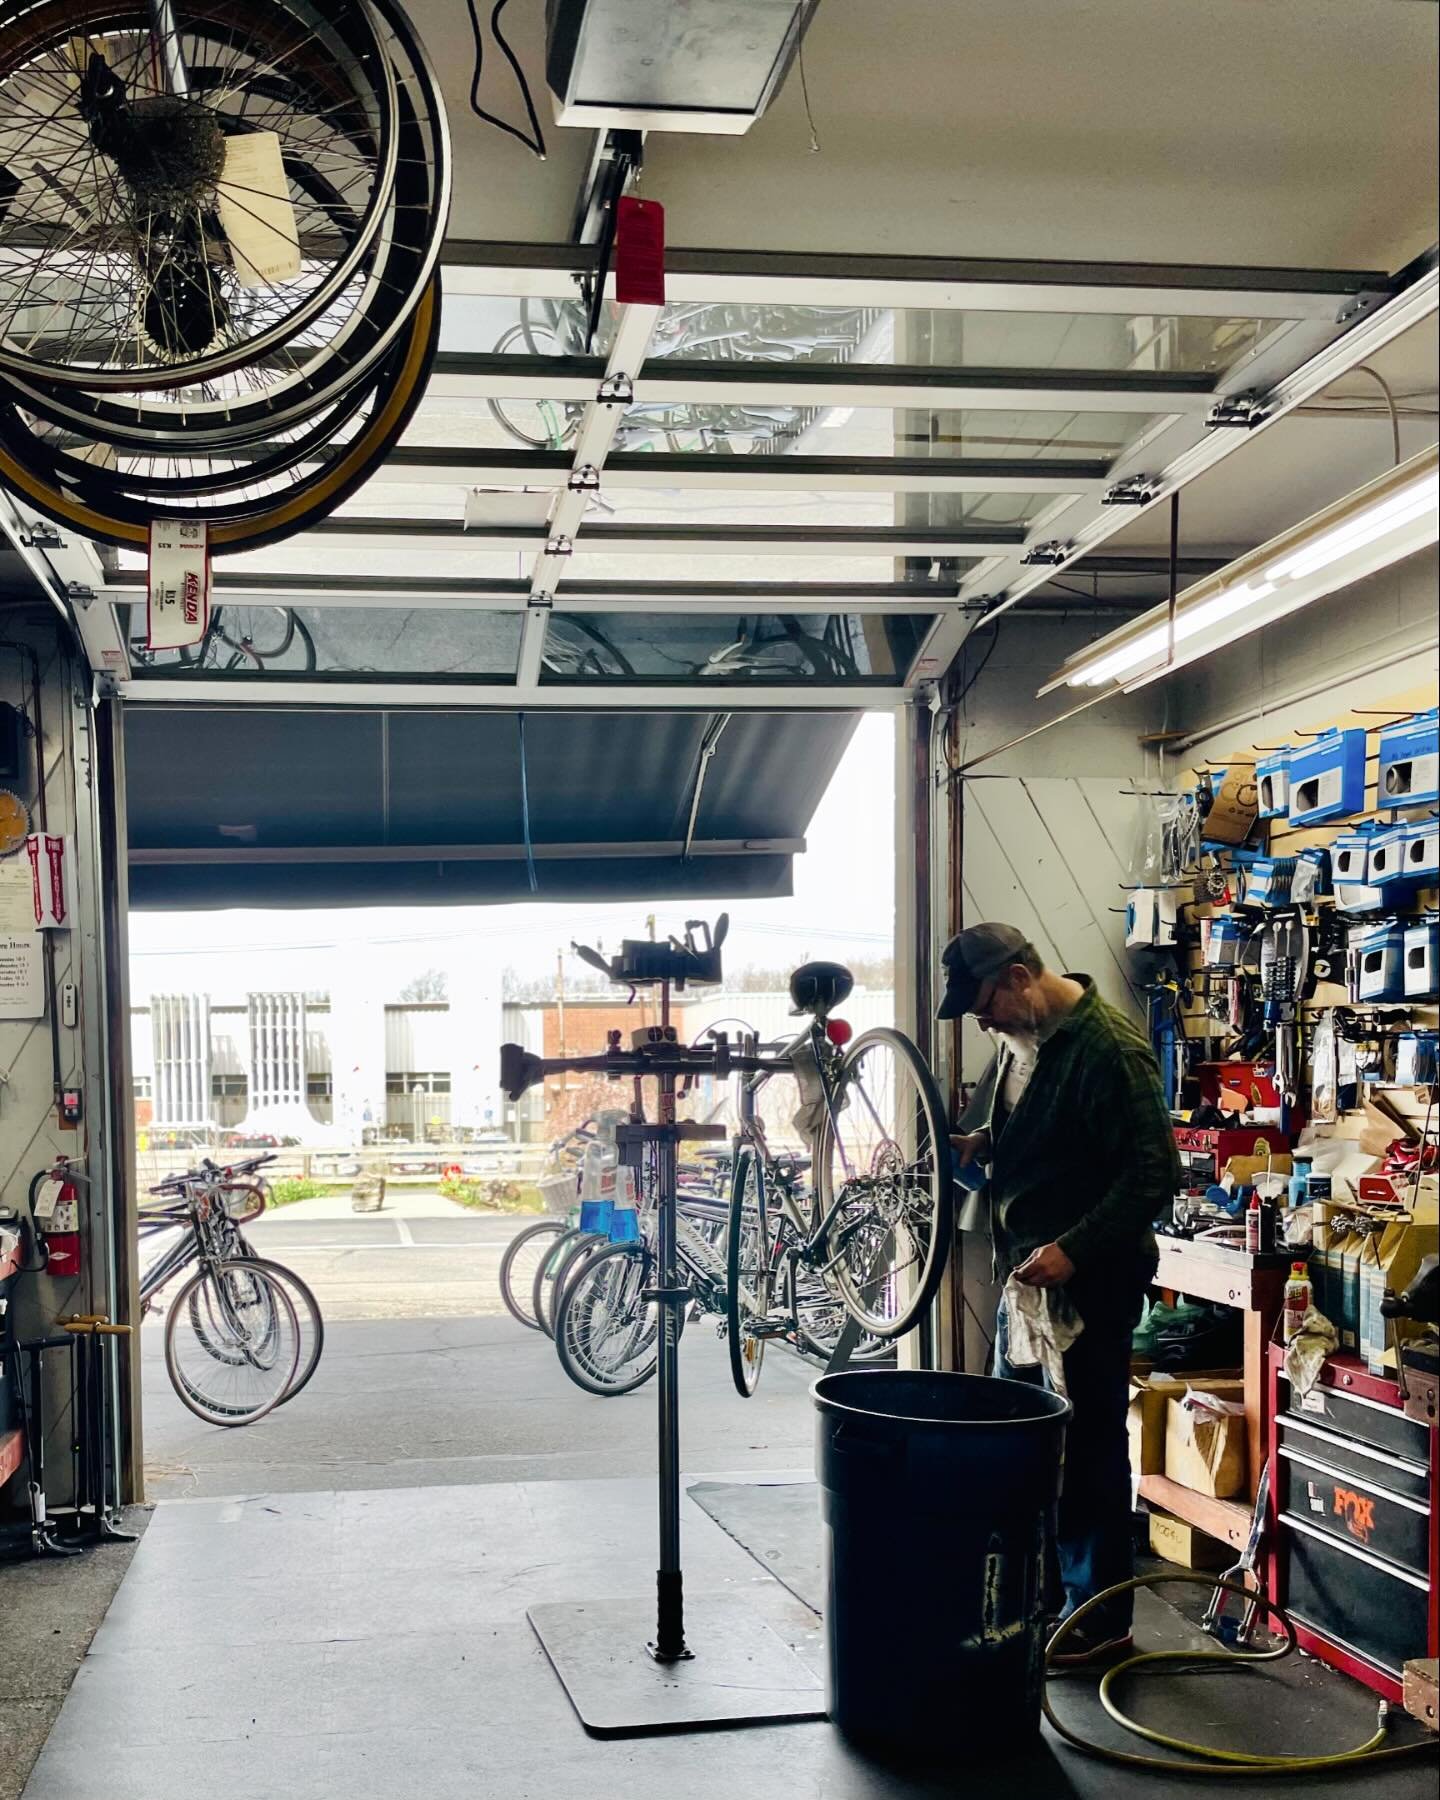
pixel 293 1187
pixel 497 1195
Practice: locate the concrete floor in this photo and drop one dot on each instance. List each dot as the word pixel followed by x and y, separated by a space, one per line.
pixel 374 1646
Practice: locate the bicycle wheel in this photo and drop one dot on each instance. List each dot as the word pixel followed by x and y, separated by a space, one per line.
pixel 524 1256
pixel 550 1274
pixel 308 1317
pixel 605 1331
pixel 133 251
pixel 882 1164
pixel 232 1343
pixel 752 1243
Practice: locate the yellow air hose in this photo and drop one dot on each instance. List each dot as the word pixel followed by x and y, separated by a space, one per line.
pixel 1217 1760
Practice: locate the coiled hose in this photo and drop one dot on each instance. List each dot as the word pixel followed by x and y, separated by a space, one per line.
pixel 1218 1761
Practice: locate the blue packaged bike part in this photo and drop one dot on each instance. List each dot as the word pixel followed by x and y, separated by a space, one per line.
pixel 1223 942
pixel 1410 762
pixel 1422 959
pixel 1272 782
pixel 1350 870
pixel 1417 1058
pixel 1422 851
pixel 1327 778
pixel 1386 860
pixel 1268 881
pixel 1312 875
pixel 1377 963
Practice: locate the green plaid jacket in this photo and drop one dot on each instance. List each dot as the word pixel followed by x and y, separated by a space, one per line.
pixel 1087 1159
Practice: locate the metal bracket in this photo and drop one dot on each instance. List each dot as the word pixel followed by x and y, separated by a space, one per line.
pixel 78 594
pixel 1050 554
pixel 584 479
pixel 106 686
pixel 1134 490
pixel 540 603
pixel 42 535
pixel 1245 410
pixel 1354 306
pixel 616 390
pixel 559 546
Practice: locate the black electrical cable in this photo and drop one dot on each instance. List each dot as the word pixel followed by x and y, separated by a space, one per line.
pixel 534 143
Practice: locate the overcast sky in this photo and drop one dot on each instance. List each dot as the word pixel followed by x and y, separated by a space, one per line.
pixel 843 906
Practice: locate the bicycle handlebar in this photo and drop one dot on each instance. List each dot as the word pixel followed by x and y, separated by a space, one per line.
pixel 208 1170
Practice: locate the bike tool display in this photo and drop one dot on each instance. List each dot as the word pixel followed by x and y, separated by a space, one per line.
pixel 738 1670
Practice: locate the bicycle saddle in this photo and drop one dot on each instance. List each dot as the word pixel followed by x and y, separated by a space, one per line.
pixel 818 988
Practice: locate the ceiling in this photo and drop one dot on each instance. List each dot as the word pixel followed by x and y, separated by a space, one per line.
pixel 849 435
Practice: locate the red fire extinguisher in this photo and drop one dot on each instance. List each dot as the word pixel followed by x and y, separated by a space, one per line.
pixel 55 1215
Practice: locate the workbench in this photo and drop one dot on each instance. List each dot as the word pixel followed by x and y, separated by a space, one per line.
pixel 11 1442
pixel 1256 1285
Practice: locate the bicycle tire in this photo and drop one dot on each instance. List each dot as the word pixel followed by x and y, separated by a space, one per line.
pixel 547 1274
pixel 568 1264
pixel 351 26
pixel 933 1137
pixel 575 1339
pixel 300 1293
pixel 279 1304
pixel 296 509
pixel 401 268
pixel 749 1270
pixel 523 1240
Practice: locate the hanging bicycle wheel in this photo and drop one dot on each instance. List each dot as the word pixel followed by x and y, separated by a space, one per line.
pixel 282 508
pixel 883 1163
pixel 751 1269
pixel 232 1343
pixel 333 356
pixel 186 196
pixel 524 1256
pixel 605 1328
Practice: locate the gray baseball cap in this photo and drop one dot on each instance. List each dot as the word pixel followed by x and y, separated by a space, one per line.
pixel 972 958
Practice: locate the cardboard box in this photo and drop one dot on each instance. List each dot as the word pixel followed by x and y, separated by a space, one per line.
pixel 1205 1451
pixel 1237 806
pixel 1185 1544
pixel 1150 1395
pixel 1421 1689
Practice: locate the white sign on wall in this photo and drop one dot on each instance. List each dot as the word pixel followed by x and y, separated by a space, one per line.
pixel 179 584
pixel 22 975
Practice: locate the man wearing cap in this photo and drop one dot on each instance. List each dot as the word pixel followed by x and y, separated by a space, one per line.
pixel 1070 1122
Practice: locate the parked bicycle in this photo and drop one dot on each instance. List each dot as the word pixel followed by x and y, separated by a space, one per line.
pixel 243 1334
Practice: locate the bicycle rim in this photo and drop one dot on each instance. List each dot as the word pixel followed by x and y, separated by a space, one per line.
pixel 232 1343
pixel 749 1271
pixel 605 1332
pixel 524 1255
pixel 123 275
pixel 884 1157
pixel 309 1319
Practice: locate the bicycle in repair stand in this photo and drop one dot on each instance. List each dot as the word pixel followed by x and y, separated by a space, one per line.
pixel 882 1229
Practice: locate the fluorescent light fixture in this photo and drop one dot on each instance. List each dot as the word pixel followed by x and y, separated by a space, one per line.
pixel 1390 518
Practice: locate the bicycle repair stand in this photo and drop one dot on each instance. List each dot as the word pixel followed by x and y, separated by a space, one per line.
pixel 628 1665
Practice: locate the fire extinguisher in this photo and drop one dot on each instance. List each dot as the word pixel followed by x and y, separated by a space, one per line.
pixel 55 1219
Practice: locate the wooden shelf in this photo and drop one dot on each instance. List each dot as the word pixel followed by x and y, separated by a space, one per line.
pixel 12 1454
pixel 1228 1520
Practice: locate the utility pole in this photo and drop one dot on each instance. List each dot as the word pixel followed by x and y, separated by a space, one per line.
pixel 560 1011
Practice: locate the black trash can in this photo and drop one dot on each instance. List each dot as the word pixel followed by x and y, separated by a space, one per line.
pixel 936 1493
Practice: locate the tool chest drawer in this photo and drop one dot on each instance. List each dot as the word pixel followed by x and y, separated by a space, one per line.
pixel 1382 1427
pixel 1377 1468
pixel 1354 1509
pixel 1352 1597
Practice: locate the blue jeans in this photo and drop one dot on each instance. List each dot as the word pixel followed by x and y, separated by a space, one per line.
pixel 1093 1545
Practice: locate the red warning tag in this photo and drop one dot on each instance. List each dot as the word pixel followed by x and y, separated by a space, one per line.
pixel 640 252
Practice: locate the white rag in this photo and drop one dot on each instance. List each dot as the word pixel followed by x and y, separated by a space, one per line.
pixel 1041 1325
pixel 1307 1351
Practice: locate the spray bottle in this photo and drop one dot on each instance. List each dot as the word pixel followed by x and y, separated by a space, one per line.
pixel 597 1175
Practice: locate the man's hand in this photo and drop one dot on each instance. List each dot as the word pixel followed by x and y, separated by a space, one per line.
pixel 1046 1267
pixel 972 1146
